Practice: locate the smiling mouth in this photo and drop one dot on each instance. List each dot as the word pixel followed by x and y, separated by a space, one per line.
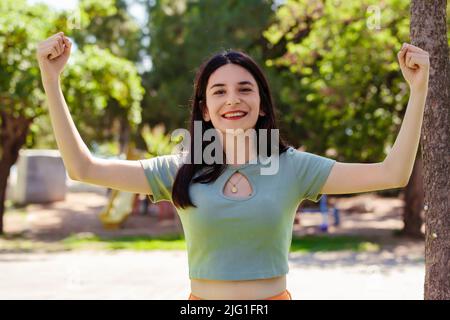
pixel 235 116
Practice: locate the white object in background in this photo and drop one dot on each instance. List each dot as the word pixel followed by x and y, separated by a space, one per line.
pixel 41 177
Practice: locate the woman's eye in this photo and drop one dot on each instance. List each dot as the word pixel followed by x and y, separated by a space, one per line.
pixel 244 89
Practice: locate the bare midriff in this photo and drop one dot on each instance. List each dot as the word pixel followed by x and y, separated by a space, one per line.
pixel 240 289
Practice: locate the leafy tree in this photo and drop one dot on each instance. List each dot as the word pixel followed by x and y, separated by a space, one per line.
pixel 343 92
pixel 342 89
pixel 96 81
pixel 94 77
pixel 184 33
pixel 109 26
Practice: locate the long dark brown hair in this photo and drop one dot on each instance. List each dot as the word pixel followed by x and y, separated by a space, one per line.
pixel 186 173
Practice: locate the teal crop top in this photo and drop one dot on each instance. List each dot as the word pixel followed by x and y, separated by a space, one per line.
pixel 229 238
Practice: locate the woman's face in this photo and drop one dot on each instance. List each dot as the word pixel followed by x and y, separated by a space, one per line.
pixel 231 88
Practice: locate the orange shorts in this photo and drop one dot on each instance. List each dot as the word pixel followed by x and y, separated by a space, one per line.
pixel 285 295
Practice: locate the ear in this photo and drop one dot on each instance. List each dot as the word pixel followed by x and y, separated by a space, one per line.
pixel 262 113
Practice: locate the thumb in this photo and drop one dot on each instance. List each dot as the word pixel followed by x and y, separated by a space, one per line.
pixel 68 45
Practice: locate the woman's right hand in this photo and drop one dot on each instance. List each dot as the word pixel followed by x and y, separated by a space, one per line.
pixel 53 54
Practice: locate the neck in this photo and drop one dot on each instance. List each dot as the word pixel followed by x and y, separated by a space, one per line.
pixel 239 148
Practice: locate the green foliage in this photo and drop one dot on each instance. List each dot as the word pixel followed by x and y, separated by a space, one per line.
pixel 336 81
pixel 138 243
pixel 182 34
pixel 20 30
pixel 325 243
pixel 106 149
pixel 157 141
pixel 95 76
pixel 98 86
pixel 108 25
pixel 343 88
pixel 89 241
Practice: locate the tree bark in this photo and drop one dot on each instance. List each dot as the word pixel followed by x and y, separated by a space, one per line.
pixel 13 134
pixel 414 195
pixel 429 31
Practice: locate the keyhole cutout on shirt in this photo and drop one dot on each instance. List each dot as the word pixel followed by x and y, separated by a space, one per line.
pixel 243 186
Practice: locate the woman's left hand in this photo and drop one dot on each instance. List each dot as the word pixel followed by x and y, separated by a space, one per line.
pixel 415 66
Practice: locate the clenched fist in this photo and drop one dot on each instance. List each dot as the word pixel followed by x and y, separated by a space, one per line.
pixel 53 54
pixel 415 66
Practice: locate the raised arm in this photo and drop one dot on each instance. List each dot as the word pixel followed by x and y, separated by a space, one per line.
pixel 396 169
pixel 415 65
pixel 52 55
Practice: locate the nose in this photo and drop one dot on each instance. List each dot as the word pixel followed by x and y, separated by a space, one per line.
pixel 233 100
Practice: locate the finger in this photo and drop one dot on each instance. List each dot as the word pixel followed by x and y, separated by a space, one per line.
pixel 409 63
pixel 408 59
pixel 56 35
pixel 412 48
pixel 63 45
pixel 60 46
pixel 53 54
pixel 401 57
pixel 53 45
pixel 67 43
pixel 46 47
pixel 420 60
pixel 49 47
pixel 415 59
pixel 412 65
pixel 410 55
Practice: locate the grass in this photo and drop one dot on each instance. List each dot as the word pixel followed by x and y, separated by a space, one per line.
pixel 87 241
pixel 138 243
pixel 176 242
pixel 11 208
pixel 323 243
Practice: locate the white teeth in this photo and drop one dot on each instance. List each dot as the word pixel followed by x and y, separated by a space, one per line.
pixel 234 114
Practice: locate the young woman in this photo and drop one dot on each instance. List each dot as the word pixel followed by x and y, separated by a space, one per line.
pixel 237 221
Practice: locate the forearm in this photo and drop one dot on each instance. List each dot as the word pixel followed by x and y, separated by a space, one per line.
pixel 400 159
pixel 74 152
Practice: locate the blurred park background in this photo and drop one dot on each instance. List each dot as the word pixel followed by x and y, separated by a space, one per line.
pixel 339 92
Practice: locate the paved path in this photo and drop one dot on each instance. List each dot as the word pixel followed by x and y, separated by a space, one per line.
pixel 164 275
pixel 397 272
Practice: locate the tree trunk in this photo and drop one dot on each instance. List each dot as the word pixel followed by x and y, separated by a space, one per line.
pixel 429 31
pixel 13 134
pixel 414 194
pixel 124 136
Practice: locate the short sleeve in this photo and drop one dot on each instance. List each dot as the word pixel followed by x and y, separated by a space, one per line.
pixel 160 172
pixel 311 172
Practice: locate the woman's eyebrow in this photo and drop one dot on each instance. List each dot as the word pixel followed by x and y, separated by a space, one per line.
pixel 222 84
